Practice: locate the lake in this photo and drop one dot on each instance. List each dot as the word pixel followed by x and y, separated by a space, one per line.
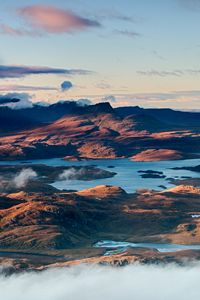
pixel 122 246
pixel 127 172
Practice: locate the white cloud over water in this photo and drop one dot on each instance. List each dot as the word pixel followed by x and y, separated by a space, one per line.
pixel 134 282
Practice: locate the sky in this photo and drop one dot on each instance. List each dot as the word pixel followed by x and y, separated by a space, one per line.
pixel 128 52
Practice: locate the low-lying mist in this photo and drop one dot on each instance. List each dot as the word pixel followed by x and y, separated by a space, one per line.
pixel 136 282
pixel 22 179
pixel 70 174
pixel 17 181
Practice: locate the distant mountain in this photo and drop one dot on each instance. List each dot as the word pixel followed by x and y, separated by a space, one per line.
pixel 12 120
pixel 95 131
pixel 169 116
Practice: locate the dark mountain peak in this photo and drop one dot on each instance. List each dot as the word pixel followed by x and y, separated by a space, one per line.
pixel 99 108
pixel 128 110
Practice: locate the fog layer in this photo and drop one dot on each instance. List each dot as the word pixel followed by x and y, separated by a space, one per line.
pixel 94 283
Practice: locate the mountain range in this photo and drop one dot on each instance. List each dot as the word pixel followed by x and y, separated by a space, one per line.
pixel 66 129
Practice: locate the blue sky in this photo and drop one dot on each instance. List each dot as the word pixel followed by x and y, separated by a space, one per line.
pixel 141 52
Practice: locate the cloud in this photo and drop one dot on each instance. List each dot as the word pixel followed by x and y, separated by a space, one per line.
pixel 103 85
pixel 26 88
pixel 173 99
pixel 177 73
pixel 4 100
pixel 165 73
pixel 190 4
pixel 157 55
pixel 115 15
pixel 22 179
pixel 109 98
pixel 66 85
pixel 14 71
pixel 51 19
pixel 84 102
pixel 9 30
pixel 16 100
pixel 71 174
pixel 140 282
pixel 80 102
pixel 154 97
pixel 127 33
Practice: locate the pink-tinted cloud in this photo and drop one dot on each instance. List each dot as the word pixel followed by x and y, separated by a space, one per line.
pixel 54 20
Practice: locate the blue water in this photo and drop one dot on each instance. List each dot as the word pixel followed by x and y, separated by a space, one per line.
pixel 127 172
pixel 160 247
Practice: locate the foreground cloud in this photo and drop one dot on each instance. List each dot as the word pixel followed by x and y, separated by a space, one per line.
pixel 13 71
pixel 55 20
pixel 89 283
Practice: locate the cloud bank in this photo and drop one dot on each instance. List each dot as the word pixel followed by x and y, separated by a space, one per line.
pixel 96 283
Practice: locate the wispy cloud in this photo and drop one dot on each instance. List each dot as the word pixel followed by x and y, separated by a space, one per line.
pixel 190 4
pixel 174 99
pixel 103 85
pixel 13 71
pixel 115 15
pixel 165 73
pixel 109 98
pixel 127 33
pixel 26 88
pixel 9 30
pixel 165 96
pixel 156 54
